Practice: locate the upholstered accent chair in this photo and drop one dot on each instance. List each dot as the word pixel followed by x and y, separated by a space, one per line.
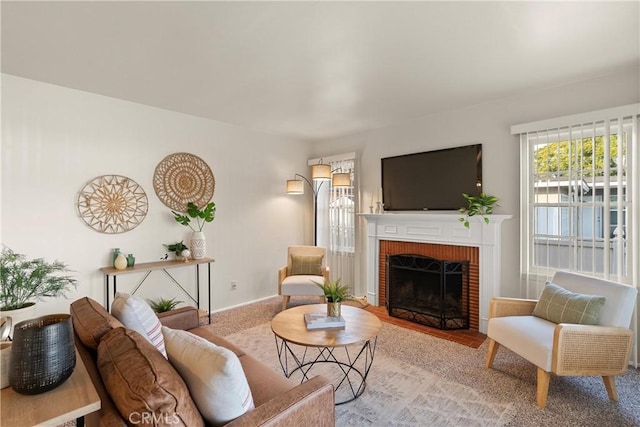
pixel 305 265
pixel 599 348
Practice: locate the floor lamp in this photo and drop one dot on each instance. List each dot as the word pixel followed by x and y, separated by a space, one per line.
pixel 319 174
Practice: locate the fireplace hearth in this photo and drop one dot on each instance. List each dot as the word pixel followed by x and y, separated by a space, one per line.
pixel 428 291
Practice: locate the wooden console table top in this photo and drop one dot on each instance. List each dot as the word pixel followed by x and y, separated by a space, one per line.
pixel 75 398
pixel 156 265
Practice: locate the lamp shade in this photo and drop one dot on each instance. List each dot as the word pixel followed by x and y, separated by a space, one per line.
pixel 320 172
pixel 341 179
pixel 295 186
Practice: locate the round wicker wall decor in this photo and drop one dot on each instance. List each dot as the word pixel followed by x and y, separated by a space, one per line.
pixel 181 178
pixel 112 204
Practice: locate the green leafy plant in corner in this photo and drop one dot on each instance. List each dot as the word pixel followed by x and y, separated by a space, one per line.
pixel 23 281
pixel 334 291
pixel 162 305
pixel 477 205
pixel 202 216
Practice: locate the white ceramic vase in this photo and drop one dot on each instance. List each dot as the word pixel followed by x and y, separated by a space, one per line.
pixel 19 315
pixel 198 245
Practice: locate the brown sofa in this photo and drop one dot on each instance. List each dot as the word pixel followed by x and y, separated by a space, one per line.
pixel 278 400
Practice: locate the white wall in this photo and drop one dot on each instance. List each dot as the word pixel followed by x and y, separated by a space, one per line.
pixel 56 139
pixel 488 124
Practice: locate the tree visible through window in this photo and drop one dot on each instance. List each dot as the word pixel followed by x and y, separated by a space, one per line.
pixel 577 197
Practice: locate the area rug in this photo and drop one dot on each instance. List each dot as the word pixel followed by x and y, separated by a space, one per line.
pixel 397 393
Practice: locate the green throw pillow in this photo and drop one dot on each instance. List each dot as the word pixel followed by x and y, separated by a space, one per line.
pixel 559 305
pixel 306 264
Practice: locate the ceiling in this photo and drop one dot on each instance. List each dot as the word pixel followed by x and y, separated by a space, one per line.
pixel 316 70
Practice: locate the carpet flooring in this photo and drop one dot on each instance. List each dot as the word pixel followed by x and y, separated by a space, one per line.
pixel 506 393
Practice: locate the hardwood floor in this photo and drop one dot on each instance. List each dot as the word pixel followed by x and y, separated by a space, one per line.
pixel 466 337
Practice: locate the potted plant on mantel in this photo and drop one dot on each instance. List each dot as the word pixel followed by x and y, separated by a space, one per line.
pixel 23 282
pixel 477 205
pixel 335 293
pixel 201 216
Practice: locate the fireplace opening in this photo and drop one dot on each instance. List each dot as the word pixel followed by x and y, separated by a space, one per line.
pixel 428 291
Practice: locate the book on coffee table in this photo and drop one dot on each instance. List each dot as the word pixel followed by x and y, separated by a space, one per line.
pixel 322 321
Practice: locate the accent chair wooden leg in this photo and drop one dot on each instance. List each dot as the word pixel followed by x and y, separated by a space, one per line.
pixel 610 384
pixel 543 387
pixel 491 352
pixel 285 301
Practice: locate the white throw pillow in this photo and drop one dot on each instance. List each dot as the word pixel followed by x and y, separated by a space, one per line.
pixel 213 375
pixel 134 313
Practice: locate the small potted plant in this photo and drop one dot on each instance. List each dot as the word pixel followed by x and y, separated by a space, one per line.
pixel 477 205
pixel 23 282
pixel 180 250
pixel 201 216
pixel 335 293
pixel 162 305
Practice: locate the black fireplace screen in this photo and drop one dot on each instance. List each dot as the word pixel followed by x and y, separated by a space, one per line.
pixel 428 291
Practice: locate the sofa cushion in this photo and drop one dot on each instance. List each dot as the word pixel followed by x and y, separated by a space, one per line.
pixel 136 314
pixel 306 264
pixel 264 382
pixel 559 305
pixel 213 375
pixel 529 336
pixel 301 285
pixel 91 321
pixel 142 383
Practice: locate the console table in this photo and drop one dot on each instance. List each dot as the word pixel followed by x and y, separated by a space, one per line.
pixel 148 267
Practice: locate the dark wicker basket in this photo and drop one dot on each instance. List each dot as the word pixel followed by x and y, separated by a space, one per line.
pixel 42 354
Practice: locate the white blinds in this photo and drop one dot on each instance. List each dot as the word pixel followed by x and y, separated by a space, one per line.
pixel 580 179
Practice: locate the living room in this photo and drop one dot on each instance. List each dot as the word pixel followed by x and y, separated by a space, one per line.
pixel 61 130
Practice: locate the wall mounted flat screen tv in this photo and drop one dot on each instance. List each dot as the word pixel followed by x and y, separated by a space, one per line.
pixel 432 180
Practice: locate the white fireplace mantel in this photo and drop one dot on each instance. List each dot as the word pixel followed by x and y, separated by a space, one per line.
pixel 443 228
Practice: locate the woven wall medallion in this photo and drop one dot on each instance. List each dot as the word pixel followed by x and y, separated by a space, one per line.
pixel 112 204
pixel 181 178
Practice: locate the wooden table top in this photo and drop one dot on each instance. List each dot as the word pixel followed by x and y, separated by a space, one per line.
pixel 76 397
pixel 360 325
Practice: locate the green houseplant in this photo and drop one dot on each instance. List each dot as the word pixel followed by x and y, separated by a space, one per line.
pixel 162 305
pixel 23 282
pixel 201 216
pixel 477 205
pixel 178 249
pixel 335 293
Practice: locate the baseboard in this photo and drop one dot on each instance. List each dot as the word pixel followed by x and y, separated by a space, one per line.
pixel 242 304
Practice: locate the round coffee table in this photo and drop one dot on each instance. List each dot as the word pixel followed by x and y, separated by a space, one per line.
pixel 356 342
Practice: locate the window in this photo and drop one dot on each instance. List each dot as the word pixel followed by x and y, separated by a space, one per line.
pixel 337 221
pixel 578 212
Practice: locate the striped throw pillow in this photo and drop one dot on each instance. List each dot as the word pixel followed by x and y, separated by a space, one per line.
pixel 136 314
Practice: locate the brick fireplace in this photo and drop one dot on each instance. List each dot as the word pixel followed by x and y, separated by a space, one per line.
pixel 437 251
pixel 441 236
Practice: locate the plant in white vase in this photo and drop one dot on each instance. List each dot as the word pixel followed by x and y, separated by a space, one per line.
pixel 23 282
pixel 201 216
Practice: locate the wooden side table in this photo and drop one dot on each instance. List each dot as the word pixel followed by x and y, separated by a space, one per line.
pixel 352 367
pixel 74 399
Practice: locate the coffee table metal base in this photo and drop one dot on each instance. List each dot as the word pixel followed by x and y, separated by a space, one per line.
pixel 353 365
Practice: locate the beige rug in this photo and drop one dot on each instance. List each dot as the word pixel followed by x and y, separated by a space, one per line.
pixel 396 394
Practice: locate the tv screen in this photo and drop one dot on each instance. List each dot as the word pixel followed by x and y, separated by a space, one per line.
pixel 432 180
